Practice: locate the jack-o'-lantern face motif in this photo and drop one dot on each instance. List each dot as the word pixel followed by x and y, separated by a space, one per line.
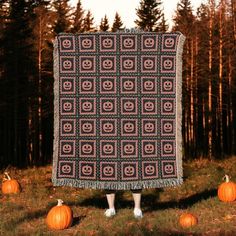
pixel 107 106
pixel 168 64
pixel 148 85
pixel 128 148
pixel 87 148
pixel 168 85
pixel 128 43
pixel 128 64
pixel 67 85
pixel 87 106
pixel 148 64
pixel 108 127
pixel 87 127
pixel 67 127
pixel 87 43
pixel 149 127
pixel 87 170
pixel 168 148
pixel 129 170
pixel 128 85
pixel 169 169
pixel 168 127
pixel 169 42
pixel 67 106
pixel 149 148
pixel 129 127
pixel 108 171
pixel 168 106
pixel 107 85
pixel 149 169
pixel 107 64
pixel 128 106
pixel 66 148
pixel 66 169
pixel 87 85
pixel 66 43
pixel 87 64
pixel 108 148
pixel 149 106
pixel 107 43
pixel 67 64
pixel 149 42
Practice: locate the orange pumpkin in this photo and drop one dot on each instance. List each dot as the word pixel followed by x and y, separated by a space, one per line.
pixel 10 185
pixel 60 216
pixel 227 190
pixel 187 220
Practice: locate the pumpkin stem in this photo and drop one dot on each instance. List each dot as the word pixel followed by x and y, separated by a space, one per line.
pixel 59 202
pixel 226 177
pixel 7 176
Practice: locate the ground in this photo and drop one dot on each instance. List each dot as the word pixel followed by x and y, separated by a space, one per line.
pixel 25 213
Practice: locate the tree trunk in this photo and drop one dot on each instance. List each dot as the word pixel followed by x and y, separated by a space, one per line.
pixel 220 104
pixel 212 6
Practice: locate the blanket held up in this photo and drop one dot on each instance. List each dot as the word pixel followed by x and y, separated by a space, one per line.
pixel 117 110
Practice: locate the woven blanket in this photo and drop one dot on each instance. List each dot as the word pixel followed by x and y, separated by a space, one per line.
pixel 117 110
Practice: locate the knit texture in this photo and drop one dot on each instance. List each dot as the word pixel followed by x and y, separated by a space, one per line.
pixel 117 110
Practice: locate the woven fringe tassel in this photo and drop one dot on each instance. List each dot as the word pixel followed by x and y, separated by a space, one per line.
pixel 56 109
pixel 179 149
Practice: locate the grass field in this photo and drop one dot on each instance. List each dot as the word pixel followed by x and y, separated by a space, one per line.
pixel 25 213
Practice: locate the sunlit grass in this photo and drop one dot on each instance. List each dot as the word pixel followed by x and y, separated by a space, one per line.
pixel 24 213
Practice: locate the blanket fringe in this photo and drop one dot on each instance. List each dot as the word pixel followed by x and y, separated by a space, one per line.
pixel 56 107
pixel 179 149
pixel 118 185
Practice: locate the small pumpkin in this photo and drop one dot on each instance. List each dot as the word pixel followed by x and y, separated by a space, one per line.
pixel 10 185
pixel 187 220
pixel 60 216
pixel 227 190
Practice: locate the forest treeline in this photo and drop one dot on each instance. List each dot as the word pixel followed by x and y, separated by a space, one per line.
pixel 27 31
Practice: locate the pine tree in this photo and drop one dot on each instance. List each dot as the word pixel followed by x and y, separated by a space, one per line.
pixel 88 22
pixel 162 26
pixel 4 14
pixel 18 68
pixel 184 18
pixel 185 22
pixel 78 18
pixel 62 16
pixel 104 25
pixel 117 24
pixel 203 79
pixel 41 98
pixel 149 14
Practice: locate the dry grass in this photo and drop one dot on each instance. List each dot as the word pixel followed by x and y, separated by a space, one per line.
pixel 24 213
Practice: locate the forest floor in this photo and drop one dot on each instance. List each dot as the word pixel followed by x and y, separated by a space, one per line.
pixel 24 214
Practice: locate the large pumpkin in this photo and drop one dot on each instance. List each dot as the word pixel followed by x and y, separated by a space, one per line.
pixel 187 220
pixel 60 216
pixel 227 190
pixel 10 185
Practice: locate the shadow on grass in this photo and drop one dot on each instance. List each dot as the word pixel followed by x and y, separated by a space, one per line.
pixel 149 201
pixel 26 217
pixel 98 200
pixel 182 203
pixel 77 220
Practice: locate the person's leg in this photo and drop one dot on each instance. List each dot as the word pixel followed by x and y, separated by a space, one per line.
pixel 137 203
pixel 110 194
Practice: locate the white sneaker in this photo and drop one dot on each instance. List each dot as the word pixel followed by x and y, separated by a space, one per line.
pixel 138 213
pixel 110 212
